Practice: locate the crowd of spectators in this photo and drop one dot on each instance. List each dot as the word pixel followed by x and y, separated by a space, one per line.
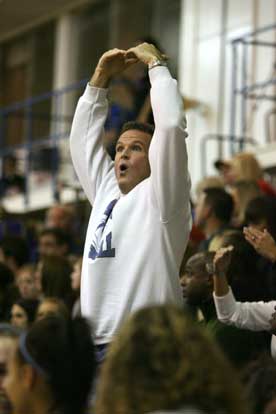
pixel 164 358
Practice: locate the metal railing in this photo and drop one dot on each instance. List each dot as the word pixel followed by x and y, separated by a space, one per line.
pixel 219 138
pixel 240 87
pixel 54 124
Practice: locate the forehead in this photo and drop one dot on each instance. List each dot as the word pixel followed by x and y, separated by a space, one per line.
pixel 17 309
pixel 47 238
pixel 47 306
pixel 134 135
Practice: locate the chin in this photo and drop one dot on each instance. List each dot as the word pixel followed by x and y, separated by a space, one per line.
pixel 125 186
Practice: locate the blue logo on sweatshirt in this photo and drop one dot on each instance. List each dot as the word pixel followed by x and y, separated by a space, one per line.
pixel 103 248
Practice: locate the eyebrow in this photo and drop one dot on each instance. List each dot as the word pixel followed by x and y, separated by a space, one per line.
pixel 132 142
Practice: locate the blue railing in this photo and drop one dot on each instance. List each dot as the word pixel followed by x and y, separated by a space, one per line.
pixel 32 129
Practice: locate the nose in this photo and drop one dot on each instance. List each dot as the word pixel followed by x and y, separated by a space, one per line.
pixel 125 153
pixel 184 280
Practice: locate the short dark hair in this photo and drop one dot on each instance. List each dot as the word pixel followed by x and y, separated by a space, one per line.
pixel 259 379
pixel 197 263
pixel 221 202
pixel 61 236
pixel 55 277
pixel 139 126
pixel 29 306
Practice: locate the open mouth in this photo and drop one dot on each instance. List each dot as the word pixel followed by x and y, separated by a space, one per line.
pixel 123 168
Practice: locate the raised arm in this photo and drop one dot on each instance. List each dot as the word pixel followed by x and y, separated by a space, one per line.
pixel 255 316
pixel 167 155
pixel 90 160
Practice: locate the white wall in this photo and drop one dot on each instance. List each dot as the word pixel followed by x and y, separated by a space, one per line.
pixel 205 68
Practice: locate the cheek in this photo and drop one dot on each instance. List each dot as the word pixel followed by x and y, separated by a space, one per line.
pixel 141 165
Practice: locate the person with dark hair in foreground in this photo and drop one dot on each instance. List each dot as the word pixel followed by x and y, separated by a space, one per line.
pixel 52 368
pixel 162 361
pixel 259 379
pixel 140 222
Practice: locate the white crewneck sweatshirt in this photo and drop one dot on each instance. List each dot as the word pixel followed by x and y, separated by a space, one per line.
pixel 135 242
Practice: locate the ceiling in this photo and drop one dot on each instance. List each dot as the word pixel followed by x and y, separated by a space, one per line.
pixel 18 16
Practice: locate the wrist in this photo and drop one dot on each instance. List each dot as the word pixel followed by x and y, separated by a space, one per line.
pixel 156 62
pixel 99 79
pixel 220 274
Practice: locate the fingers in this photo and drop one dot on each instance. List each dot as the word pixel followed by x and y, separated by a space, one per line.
pixel 222 253
pixel 253 236
pixel 252 232
pixel 145 52
pixel 249 236
pixel 130 53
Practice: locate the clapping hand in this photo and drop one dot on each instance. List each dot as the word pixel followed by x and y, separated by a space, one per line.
pixel 262 241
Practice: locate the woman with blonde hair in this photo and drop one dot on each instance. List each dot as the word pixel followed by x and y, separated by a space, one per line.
pixel 162 361
pixel 244 166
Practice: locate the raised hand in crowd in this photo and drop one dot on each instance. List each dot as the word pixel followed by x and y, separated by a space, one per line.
pixel 222 260
pixel 262 241
pixel 221 263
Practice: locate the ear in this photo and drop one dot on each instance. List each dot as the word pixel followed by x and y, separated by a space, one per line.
pixel 29 376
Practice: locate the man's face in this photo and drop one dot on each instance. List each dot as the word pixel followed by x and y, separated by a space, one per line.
pixel 131 160
pixel 27 285
pixel 58 217
pixel 48 246
pixel 197 287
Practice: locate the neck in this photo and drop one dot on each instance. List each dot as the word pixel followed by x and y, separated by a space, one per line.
pixel 208 309
pixel 211 226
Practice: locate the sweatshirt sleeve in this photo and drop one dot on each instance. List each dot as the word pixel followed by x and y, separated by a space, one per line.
pixel 90 160
pixel 170 181
pixel 254 316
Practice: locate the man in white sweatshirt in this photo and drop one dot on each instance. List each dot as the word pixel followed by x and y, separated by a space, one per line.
pixel 140 222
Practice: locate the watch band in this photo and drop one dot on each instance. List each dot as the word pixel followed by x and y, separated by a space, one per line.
pixel 156 62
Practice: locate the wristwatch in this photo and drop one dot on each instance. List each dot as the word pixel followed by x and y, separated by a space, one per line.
pixel 156 62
